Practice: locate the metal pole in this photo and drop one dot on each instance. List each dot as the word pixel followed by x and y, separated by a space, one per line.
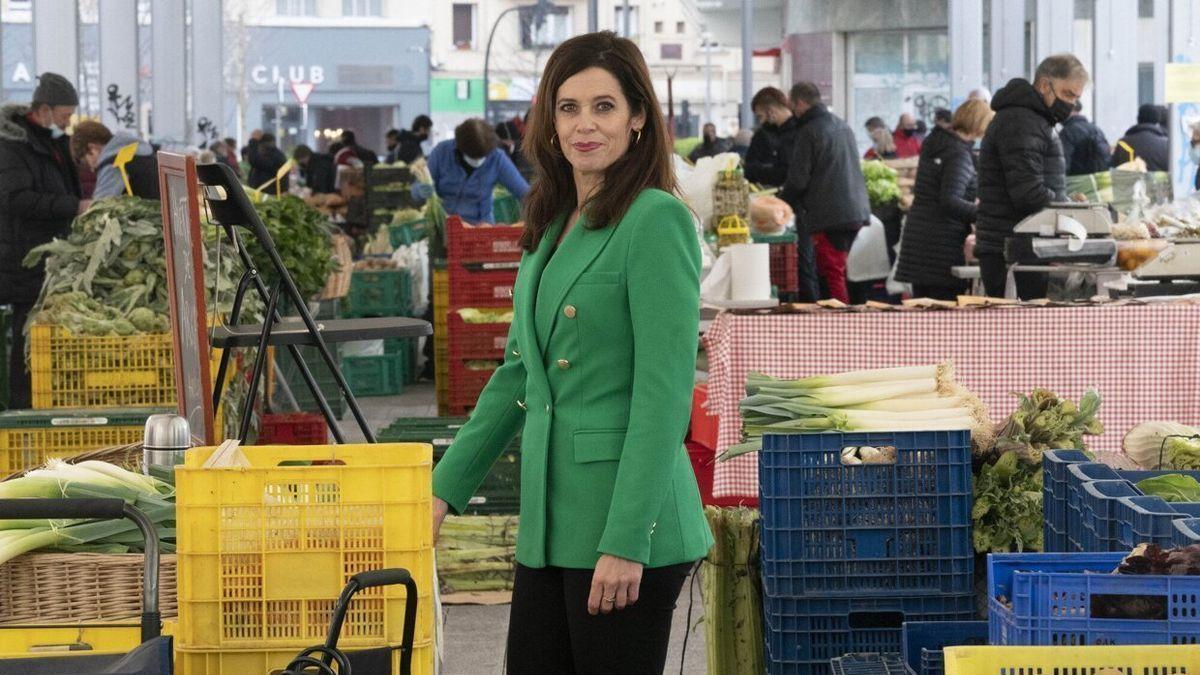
pixel 487 58
pixel 707 78
pixel 593 16
pixel 625 18
pixel 746 119
pixel 671 105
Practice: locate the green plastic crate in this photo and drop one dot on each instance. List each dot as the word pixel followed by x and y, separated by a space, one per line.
pixel 379 293
pixel 325 380
pixel 375 375
pixel 784 238
pixel 29 437
pixel 407 233
pixel 506 209
pixel 407 347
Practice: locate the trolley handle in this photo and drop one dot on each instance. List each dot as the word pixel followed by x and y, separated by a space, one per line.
pixel 102 509
pixel 375 578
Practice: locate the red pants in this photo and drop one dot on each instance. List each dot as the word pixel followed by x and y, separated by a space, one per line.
pixel 831 266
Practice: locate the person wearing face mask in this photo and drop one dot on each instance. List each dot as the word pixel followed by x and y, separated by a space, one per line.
pixel 767 159
pixel 468 167
pixel 908 143
pixel 943 208
pixel 1021 164
pixel 1147 140
pixel 882 145
pixel 407 146
pixel 39 197
pixel 92 144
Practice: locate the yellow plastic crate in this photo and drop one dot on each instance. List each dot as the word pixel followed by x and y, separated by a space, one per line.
pixel 29 437
pixel 23 642
pixel 86 371
pixel 263 662
pixel 1148 660
pixel 265 550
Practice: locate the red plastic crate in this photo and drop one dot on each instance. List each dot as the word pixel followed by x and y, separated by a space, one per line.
pixel 480 288
pixel 785 267
pixel 703 428
pixel 469 245
pixel 466 384
pixel 703 461
pixel 475 340
pixel 293 429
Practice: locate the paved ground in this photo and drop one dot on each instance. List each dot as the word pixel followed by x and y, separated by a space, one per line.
pixel 475 635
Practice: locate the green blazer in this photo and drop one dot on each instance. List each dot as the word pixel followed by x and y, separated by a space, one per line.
pixel 598 376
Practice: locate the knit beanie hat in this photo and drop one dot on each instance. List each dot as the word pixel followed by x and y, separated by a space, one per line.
pixel 54 89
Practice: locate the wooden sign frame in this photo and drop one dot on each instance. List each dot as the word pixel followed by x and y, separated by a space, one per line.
pixel 185 283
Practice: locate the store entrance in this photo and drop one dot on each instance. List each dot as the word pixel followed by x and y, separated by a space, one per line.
pixel 369 124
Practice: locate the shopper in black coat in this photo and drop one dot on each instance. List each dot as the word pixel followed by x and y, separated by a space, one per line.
pixel 766 161
pixel 316 168
pixel 39 197
pixel 825 188
pixel 943 208
pixel 265 162
pixel 1085 148
pixel 1147 140
pixel 1021 165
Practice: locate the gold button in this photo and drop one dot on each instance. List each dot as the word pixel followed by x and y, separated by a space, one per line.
pixel 563 364
pixel 522 406
pixel 516 353
pixel 569 310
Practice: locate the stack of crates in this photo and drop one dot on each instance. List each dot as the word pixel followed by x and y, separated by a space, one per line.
pixel 380 293
pixel 264 551
pixel 387 191
pixel 328 309
pixel 785 263
pixel 441 344
pixel 500 492
pixel 482 268
pixel 30 437
pixel 851 552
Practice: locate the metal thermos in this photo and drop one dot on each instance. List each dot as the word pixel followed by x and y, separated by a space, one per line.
pixel 166 440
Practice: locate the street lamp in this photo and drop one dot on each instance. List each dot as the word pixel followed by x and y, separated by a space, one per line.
pixel 540 10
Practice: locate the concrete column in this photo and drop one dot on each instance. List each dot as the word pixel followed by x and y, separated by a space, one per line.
pixel 1162 49
pixel 119 100
pixel 1115 66
pixel 208 76
pixel 1008 41
pixel 1185 30
pixel 746 118
pixel 169 113
pixel 966 48
pixel 1055 27
pixel 56 38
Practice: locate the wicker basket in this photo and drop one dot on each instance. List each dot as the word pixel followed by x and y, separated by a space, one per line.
pixel 47 588
pixel 125 456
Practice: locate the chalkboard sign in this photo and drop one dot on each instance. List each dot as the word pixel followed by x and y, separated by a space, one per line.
pixel 185 284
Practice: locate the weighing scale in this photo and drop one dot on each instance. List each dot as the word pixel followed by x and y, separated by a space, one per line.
pixel 1176 271
pixel 1074 232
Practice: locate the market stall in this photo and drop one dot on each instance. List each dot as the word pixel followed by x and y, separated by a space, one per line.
pixel 1141 356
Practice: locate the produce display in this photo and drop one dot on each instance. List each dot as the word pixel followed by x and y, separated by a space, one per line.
pixel 917 398
pixel 477 553
pixel 882 186
pixel 1008 485
pixel 1172 488
pixel 86 480
pixel 303 238
pixel 729 583
pixel 1163 445
pixel 1152 559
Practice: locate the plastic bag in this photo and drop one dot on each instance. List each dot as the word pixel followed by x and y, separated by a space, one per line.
pixel 770 214
pixel 696 181
pixel 868 259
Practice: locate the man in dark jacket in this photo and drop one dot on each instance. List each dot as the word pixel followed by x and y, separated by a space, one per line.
pixel 408 143
pixel 771 146
pixel 1021 166
pixel 39 196
pixel 316 169
pixel 1147 140
pixel 265 162
pixel 1085 148
pixel 826 189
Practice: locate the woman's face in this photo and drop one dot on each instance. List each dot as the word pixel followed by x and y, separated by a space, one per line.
pixel 593 120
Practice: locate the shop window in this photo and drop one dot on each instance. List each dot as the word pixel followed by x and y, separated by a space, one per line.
pixel 545 31
pixel 619 21
pixel 680 28
pixel 1145 9
pixel 893 72
pixel 464 26
pixel 296 7
pixel 670 52
pixel 362 7
pixel 1146 83
pixel 658 27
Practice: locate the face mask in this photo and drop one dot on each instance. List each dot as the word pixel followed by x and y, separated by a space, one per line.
pixel 56 131
pixel 1060 110
pixel 473 162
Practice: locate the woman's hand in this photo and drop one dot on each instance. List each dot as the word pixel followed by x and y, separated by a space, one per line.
pixel 440 509
pixel 615 584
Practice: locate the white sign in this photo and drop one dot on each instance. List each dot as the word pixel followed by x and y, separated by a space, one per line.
pixel 262 74
pixel 302 90
pixel 21 73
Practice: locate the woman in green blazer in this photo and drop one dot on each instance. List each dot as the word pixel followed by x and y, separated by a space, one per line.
pixel 597 378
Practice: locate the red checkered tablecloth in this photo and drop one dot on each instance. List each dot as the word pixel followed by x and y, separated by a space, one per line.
pixel 1143 359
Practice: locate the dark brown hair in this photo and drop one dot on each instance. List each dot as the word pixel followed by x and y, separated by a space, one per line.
pixel 474 138
pixel 808 92
pixel 768 96
pixel 646 164
pixel 86 133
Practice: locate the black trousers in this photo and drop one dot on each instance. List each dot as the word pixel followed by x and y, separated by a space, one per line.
pixel 806 261
pixel 993 269
pixel 551 633
pixel 938 292
pixel 20 394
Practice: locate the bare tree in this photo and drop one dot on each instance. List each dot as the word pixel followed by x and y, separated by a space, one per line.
pixel 237 43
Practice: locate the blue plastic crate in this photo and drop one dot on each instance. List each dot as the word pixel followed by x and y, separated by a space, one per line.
pixel 1077 475
pixel 900 528
pixel 803 634
pixel 1054 484
pixel 924 640
pixel 1187 531
pixel 1052 539
pixel 1073 599
pixel 1098 507
pixel 867 664
pixel 1149 520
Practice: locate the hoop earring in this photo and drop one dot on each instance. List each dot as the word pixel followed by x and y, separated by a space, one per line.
pixel 554 140
pixel 639 136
